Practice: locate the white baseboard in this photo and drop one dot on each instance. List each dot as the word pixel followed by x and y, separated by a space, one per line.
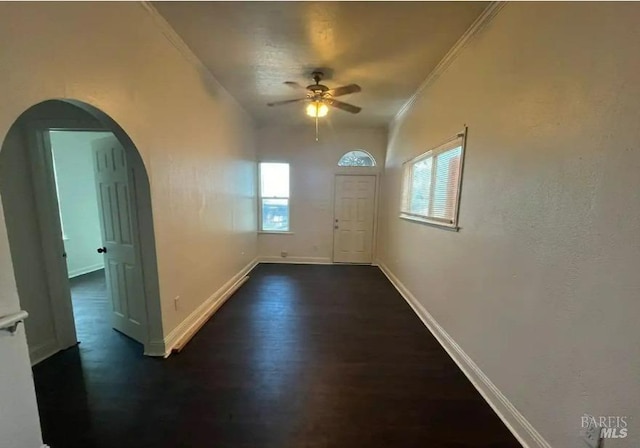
pixel 188 327
pixel 155 348
pixel 296 260
pixel 42 351
pixel 85 270
pixel 512 418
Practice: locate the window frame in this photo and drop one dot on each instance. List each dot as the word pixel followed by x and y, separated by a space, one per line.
pixel 367 153
pixel 261 198
pixel 459 140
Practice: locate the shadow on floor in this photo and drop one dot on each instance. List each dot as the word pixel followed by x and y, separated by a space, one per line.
pixel 301 356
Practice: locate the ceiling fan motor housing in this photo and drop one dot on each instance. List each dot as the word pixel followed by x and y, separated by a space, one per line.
pixel 317 87
pixel 319 93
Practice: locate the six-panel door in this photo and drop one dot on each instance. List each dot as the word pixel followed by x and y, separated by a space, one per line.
pixel 353 219
pixel 117 221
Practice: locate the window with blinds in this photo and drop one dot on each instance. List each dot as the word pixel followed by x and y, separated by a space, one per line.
pixel 431 184
pixel 274 197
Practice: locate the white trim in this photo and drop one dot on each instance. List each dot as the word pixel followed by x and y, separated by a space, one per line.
pixel 179 44
pixel 42 351
pixel 155 348
pixel 511 417
pixel 295 260
pixel 483 19
pixel 47 206
pixel 193 329
pixel 49 222
pixel 376 206
pixel 274 232
pixel 180 335
pixel 459 141
pixel 432 222
pixel 85 270
pixel 373 159
pixel 262 198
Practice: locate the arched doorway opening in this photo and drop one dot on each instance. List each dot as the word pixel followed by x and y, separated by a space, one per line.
pixel 29 191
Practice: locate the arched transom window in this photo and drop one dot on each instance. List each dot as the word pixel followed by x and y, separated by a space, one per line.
pixel 357 158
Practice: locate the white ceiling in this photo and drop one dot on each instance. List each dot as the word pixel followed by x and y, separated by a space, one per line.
pixel 388 48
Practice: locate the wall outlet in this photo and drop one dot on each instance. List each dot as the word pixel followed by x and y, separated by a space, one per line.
pixel 591 435
pixel 175 302
pixel 284 254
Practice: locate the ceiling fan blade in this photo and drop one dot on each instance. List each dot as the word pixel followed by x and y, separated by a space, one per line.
pixel 280 103
pixel 343 106
pixel 295 85
pixel 345 90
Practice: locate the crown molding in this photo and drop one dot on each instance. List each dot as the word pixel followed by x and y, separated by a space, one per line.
pixel 483 19
pixel 179 44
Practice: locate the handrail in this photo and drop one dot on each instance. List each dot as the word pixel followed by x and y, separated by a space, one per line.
pixel 10 322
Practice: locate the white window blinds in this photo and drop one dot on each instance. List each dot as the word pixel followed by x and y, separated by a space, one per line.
pixel 274 197
pixel 431 184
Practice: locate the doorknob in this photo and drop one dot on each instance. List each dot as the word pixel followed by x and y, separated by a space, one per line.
pixel 336 226
pixel 102 250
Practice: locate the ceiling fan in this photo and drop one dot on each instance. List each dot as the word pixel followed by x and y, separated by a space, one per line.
pixel 319 95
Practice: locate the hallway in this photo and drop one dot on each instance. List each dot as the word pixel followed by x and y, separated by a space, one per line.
pixel 301 356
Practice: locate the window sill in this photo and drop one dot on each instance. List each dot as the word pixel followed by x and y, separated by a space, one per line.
pixel 430 222
pixel 273 232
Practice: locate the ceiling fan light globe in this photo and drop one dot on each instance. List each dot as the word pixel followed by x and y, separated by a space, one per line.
pixel 317 109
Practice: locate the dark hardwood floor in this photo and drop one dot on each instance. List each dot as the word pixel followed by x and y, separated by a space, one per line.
pixel 301 356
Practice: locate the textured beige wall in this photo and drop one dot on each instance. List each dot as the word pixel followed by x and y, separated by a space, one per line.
pixel 195 141
pixel 19 422
pixel 313 167
pixel 197 145
pixel 541 286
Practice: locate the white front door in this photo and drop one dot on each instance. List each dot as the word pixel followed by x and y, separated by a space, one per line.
pixel 353 219
pixel 119 238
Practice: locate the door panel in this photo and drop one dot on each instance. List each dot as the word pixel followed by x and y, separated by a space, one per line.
pixel 117 216
pixel 354 216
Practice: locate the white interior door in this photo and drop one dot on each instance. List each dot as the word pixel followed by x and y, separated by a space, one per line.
pixel 353 219
pixel 119 238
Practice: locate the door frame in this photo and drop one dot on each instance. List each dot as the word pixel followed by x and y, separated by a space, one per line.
pixel 48 213
pixel 374 236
